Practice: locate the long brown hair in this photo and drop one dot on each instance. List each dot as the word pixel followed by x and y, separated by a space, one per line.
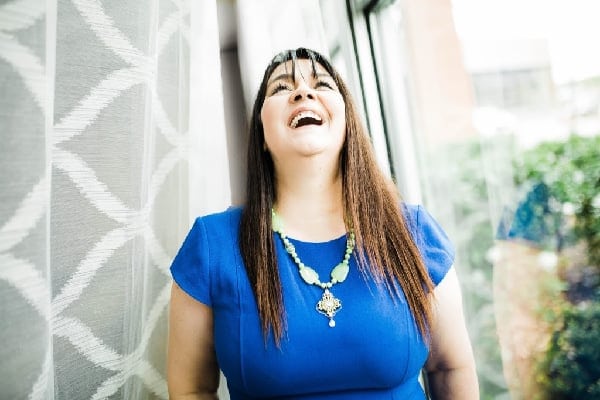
pixel 385 248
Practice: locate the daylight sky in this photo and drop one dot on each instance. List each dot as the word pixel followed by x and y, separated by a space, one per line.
pixel 569 28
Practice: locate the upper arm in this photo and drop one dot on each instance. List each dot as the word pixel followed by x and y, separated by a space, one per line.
pixel 191 363
pixel 451 355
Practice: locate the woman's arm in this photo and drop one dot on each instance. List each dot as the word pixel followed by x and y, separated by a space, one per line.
pixel 451 366
pixel 192 370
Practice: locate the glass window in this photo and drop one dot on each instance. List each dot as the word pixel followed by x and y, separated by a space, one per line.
pixel 350 49
pixel 338 36
pixel 492 114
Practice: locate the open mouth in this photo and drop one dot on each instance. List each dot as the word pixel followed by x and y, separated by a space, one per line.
pixel 304 118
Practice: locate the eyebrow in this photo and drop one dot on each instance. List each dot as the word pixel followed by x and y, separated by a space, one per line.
pixel 289 77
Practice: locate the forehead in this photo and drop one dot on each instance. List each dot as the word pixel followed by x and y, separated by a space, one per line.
pixel 298 66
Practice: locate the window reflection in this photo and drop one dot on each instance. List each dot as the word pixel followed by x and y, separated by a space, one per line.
pixel 505 116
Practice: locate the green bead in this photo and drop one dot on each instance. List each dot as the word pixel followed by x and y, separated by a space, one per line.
pixel 309 275
pixel 276 221
pixel 340 272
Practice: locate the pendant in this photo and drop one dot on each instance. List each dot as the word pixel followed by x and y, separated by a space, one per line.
pixel 329 305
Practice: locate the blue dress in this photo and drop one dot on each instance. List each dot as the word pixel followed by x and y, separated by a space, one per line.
pixel 375 350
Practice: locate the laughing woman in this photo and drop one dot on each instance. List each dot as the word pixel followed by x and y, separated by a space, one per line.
pixel 324 285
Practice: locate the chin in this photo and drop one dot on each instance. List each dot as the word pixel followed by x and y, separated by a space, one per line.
pixel 315 149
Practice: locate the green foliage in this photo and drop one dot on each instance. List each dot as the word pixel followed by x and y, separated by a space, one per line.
pixel 570 171
pixel 571 368
pixel 570 174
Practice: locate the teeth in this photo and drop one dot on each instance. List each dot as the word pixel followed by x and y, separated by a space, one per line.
pixel 303 114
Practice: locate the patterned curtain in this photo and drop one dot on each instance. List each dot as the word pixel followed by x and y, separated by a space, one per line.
pixel 110 114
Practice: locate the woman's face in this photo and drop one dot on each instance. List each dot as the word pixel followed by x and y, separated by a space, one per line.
pixel 302 115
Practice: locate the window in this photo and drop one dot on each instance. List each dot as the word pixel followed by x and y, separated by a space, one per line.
pixel 497 131
pixel 350 49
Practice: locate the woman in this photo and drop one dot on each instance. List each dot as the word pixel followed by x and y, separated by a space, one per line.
pixel 324 285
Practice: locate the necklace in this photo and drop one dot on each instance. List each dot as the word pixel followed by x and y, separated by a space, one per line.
pixel 329 305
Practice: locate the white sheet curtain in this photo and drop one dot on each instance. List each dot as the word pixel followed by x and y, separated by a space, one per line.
pixel 110 117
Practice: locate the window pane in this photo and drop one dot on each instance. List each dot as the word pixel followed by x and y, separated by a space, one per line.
pixel 501 100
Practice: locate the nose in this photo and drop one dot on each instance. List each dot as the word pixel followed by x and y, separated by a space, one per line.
pixel 303 91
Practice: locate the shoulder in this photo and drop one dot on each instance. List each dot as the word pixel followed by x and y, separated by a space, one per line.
pixel 210 233
pixel 421 223
pixel 431 239
pixel 411 214
pixel 231 213
pixel 210 244
pixel 218 223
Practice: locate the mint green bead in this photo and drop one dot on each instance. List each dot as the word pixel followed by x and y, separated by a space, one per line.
pixel 276 221
pixel 309 275
pixel 340 272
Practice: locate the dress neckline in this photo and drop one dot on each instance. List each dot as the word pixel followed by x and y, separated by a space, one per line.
pixel 330 241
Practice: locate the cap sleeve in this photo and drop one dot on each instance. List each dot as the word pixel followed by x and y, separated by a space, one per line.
pixel 433 243
pixel 191 266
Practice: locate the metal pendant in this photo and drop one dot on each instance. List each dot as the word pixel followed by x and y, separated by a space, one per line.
pixel 329 305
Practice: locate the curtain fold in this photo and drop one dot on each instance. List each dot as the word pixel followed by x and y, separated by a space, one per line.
pixel 26 353
pixel 104 165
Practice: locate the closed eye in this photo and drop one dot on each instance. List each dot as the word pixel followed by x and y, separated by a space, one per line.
pixel 280 87
pixel 323 84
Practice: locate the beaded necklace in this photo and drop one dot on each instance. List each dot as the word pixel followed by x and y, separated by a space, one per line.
pixel 329 305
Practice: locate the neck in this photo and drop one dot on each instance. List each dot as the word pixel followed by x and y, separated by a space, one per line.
pixel 309 200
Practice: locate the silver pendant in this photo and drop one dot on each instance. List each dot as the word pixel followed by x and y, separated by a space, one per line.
pixel 329 305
